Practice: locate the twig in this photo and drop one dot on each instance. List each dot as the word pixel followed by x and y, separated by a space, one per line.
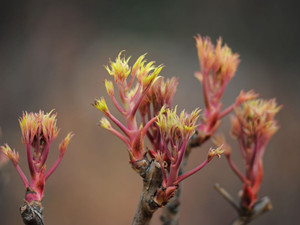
pixel 228 197
pixel 246 215
pixel 32 213
pixel 152 180
pixel 262 206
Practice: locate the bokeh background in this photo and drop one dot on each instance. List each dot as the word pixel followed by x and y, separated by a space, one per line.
pixel 52 55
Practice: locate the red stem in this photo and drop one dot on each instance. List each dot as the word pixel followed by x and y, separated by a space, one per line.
pixel 138 102
pixel 191 172
pixel 119 108
pixel 149 135
pixel 121 93
pixel 226 111
pixel 259 177
pixel 221 90
pixel 148 125
pixel 55 165
pixel 131 80
pixel 22 175
pixel 236 170
pixel 165 147
pixel 254 154
pixel 118 123
pixel 173 175
pixel 181 153
pixel 38 138
pixel 45 153
pixel 119 135
pixel 205 91
pixel 136 93
pixel 30 161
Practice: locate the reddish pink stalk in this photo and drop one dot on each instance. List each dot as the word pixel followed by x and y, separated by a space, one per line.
pixel 29 160
pixel 119 135
pixel 173 176
pixel 228 110
pixel 181 153
pixel 191 172
pixel 45 153
pixel 138 102
pixel 22 175
pixel 137 93
pixel 205 92
pixel 118 107
pixel 53 168
pixel 119 124
pixel 149 124
pixel 236 170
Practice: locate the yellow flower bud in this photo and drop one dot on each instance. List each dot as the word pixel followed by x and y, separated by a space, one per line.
pixel 256 118
pixel 109 87
pixel 50 130
pixel 140 61
pixel 29 126
pixel 177 127
pixel 105 123
pixel 119 69
pixel 150 79
pixel 64 144
pixel 215 152
pixel 11 154
pixel 101 105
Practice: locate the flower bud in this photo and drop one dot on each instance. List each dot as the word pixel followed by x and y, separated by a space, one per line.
pixel 101 105
pixel 11 154
pixel 119 69
pixel 109 87
pixel 215 152
pixel 105 123
pixel 64 144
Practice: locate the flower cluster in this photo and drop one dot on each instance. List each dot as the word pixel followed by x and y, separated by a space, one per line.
pixel 160 95
pixel 253 125
pixel 38 131
pixel 176 131
pixel 168 132
pixel 132 92
pixel 218 66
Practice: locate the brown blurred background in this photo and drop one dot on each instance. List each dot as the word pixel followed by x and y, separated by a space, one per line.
pixel 52 55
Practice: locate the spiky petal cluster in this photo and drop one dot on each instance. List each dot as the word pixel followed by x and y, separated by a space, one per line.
pixel 253 125
pixel 159 95
pixel 177 129
pixel 133 85
pixel 38 131
pixel 218 66
pixel 255 120
pixel 175 132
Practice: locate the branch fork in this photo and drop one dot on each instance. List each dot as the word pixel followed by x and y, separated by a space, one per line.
pixel 246 215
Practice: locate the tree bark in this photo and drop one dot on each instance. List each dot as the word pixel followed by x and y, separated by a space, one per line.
pixel 152 180
pixel 32 213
